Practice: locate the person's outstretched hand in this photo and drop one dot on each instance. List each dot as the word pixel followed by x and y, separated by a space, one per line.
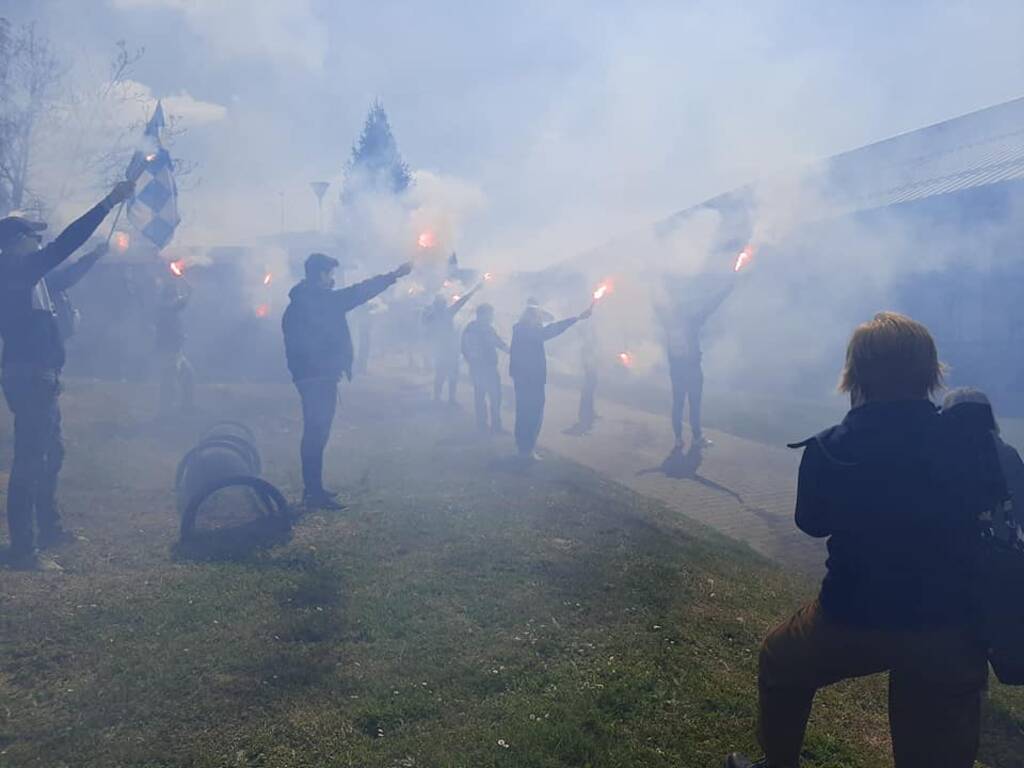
pixel 121 192
pixel 100 250
pixel 404 269
pixel 586 313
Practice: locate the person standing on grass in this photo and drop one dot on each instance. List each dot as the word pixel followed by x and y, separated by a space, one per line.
pixel 480 345
pixel 528 368
pixel 439 319
pixel 896 597
pixel 318 347
pixel 33 358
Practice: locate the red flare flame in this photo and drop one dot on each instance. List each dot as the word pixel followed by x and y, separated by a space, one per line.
pixel 455 298
pixel 122 241
pixel 262 310
pixel 426 239
pixel 603 290
pixel 626 359
pixel 177 268
pixel 743 258
pixel 488 276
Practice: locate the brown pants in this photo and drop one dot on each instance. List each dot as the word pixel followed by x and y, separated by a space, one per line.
pixel 935 683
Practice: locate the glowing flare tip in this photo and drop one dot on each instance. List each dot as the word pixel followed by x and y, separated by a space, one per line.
pixel 488 276
pixel 602 290
pixel 626 359
pixel 122 241
pixel 743 258
pixel 177 268
pixel 267 278
pixel 426 239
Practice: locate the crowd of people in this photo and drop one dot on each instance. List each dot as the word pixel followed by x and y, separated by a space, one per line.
pixel 890 487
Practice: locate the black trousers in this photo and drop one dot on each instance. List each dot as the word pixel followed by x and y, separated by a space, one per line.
pixel 687 384
pixel 487 387
pixel 446 370
pixel 319 403
pixel 529 413
pixel 38 457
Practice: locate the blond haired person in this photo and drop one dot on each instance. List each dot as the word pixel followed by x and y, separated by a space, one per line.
pixel 896 594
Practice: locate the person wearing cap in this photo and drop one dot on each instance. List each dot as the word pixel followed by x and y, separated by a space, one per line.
pixel 318 348
pixel 30 367
pixel 439 319
pixel 480 345
pixel 528 368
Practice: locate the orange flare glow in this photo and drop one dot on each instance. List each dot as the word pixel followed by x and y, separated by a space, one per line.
pixel 455 298
pixel 744 258
pixel 602 290
pixel 262 310
pixel 122 241
pixel 426 239
pixel 151 157
pixel 178 268
pixel 626 359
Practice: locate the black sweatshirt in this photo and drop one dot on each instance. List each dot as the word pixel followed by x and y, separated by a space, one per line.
pixel 31 336
pixel 526 360
pixel 317 341
pixel 885 487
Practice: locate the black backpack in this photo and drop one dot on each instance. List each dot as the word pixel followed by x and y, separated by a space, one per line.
pixel 999 572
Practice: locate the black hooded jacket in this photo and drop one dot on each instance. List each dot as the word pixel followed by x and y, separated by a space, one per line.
pixel 317 341
pixel 887 486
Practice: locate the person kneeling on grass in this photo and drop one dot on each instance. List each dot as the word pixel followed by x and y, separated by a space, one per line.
pixel 896 596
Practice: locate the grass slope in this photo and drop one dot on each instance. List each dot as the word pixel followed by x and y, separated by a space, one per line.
pixel 460 613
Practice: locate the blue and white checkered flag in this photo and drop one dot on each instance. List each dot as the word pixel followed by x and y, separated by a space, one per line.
pixel 154 208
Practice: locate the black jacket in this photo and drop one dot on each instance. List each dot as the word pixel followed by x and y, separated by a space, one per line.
pixel 886 487
pixel 31 336
pixel 526 359
pixel 480 345
pixel 317 341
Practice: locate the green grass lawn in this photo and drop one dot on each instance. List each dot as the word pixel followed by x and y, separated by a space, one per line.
pixel 459 613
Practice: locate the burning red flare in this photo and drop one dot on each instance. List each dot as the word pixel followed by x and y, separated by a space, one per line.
pixel 626 359
pixel 744 258
pixel 426 239
pixel 122 241
pixel 455 298
pixel 488 276
pixel 267 278
pixel 178 268
pixel 151 157
pixel 603 290
pixel 262 310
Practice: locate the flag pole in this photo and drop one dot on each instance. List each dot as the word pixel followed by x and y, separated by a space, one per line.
pixel 117 217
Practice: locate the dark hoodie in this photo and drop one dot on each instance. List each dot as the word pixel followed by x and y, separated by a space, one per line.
pixel 317 341
pixel 886 487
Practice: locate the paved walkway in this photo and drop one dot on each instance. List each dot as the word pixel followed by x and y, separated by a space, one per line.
pixel 743 489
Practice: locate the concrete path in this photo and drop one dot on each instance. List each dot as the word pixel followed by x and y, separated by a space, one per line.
pixel 743 489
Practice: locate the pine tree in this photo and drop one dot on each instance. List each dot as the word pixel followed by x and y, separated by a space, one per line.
pixel 376 164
